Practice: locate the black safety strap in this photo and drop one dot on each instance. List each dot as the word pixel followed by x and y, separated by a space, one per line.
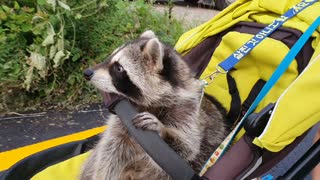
pixel 235 100
pixel 236 109
pixel 252 96
pixel 153 145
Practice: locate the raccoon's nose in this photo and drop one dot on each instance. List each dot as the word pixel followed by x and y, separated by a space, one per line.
pixel 88 73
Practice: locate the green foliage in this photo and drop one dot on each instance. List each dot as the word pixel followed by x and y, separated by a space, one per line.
pixel 46 44
pixel 127 22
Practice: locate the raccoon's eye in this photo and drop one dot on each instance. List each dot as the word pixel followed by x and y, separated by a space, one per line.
pixel 119 68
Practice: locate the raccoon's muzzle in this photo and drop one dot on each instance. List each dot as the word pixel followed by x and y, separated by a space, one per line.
pixel 88 73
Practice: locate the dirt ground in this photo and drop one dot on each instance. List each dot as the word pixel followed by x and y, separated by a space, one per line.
pixel 191 16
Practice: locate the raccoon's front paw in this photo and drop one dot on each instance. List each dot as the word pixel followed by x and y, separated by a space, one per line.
pixel 147 121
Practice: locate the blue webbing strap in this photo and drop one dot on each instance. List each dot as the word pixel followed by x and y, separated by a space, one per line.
pixel 283 66
pixel 234 58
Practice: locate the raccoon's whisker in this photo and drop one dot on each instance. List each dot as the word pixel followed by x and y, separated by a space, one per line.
pixel 99 80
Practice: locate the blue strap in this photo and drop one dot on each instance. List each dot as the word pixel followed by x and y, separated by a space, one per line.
pixel 240 53
pixel 267 177
pixel 283 66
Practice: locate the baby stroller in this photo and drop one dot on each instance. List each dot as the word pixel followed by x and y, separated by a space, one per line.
pixel 270 133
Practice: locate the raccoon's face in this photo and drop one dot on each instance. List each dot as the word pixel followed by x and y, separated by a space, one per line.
pixel 145 71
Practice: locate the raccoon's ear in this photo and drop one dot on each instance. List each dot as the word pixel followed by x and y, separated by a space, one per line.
pixel 153 51
pixel 148 34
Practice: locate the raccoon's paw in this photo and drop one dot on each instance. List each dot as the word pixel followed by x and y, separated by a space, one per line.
pixel 147 121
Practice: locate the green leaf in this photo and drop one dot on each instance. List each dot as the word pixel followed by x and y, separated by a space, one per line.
pixel 121 5
pixel 16 5
pixel 60 45
pixel 50 36
pixel 76 57
pixel 48 40
pixel 36 18
pixel 3 38
pixel 71 80
pixel 41 2
pixel 26 27
pixel 37 60
pixel 103 4
pixel 3 15
pixel 54 20
pixel 53 3
pixel 50 30
pixel 78 16
pixel 64 6
pixel 53 50
pixel 28 80
pixel 57 58
pixel 6 66
pixel 6 9
pixel 42 50
pixel 27 9
pixel 38 28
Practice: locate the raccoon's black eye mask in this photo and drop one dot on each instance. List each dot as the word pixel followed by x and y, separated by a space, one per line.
pixel 118 68
pixel 117 71
pixel 122 81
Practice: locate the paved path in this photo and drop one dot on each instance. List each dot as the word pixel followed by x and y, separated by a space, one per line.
pixel 192 16
pixel 19 131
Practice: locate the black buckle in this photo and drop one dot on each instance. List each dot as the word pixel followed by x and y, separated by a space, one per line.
pixel 256 122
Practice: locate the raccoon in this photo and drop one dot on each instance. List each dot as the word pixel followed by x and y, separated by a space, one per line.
pixel 160 84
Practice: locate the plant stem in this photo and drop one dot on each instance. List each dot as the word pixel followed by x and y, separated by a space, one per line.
pixel 170 8
pixel 84 6
pixel 74 33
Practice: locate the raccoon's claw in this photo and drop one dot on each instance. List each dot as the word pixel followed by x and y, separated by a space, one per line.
pixel 147 121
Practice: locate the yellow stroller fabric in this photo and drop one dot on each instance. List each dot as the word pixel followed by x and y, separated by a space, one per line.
pixel 69 169
pixel 259 64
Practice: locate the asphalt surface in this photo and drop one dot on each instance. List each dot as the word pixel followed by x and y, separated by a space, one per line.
pixel 190 16
pixel 19 131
